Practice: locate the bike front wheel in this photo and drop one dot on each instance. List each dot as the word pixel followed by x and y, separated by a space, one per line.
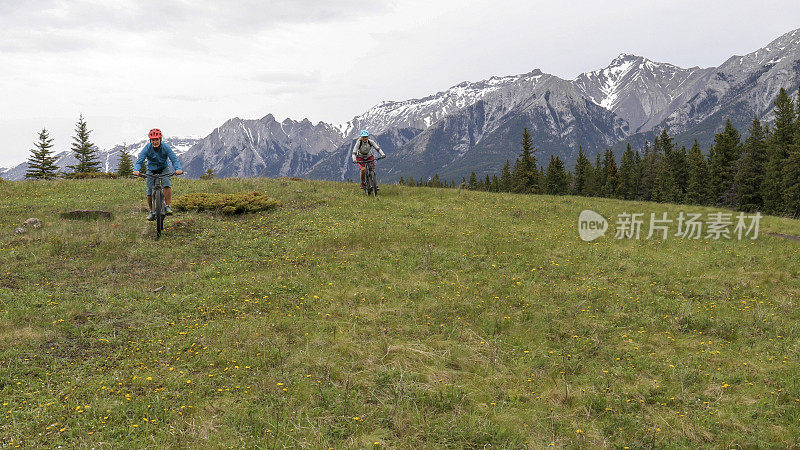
pixel 158 210
pixel 372 187
pixel 159 225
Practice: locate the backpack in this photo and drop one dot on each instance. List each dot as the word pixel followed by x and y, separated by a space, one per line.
pixel 360 142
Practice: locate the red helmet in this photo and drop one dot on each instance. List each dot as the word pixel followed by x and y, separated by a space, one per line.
pixel 155 133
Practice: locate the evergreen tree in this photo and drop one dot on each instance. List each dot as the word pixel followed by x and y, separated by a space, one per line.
pixel 664 186
pixel 791 182
pixel 556 181
pixel 85 152
pixel 125 166
pixel 584 175
pixel 680 171
pixel 750 174
pixel 506 179
pixel 697 184
pixel 649 166
pixel 495 183
pixel 473 182
pixel 778 144
pixel 629 184
pixel 611 188
pixel 599 177
pixel 487 183
pixel 42 163
pixel 722 166
pixel 637 173
pixel 526 172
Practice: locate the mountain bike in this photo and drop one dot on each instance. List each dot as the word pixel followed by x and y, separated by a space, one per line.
pixel 159 207
pixel 370 181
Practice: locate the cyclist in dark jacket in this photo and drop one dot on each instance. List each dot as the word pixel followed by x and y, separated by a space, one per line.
pixel 157 153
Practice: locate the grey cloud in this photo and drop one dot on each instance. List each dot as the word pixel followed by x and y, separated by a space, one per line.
pixel 46 41
pixel 177 15
pixel 286 78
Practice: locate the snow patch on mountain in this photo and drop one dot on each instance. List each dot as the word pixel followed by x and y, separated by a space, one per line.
pixel 421 113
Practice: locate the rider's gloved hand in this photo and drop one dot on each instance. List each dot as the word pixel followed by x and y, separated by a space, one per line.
pixel 136 173
pixel 178 172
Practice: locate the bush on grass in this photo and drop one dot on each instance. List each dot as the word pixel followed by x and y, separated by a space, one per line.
pixel 245 202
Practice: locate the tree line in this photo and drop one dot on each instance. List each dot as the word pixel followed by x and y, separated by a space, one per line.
pixel 42 161
pixel 759 173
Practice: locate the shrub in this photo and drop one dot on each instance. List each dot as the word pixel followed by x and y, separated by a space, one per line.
pixel 82 175
pixel 245 202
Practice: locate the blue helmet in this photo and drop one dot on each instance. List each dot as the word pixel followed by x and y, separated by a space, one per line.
pixel 364 133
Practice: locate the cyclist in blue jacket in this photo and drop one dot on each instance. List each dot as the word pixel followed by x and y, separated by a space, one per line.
pixel 157 153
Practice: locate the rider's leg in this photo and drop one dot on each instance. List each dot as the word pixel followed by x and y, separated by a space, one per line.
pixel 168 195
pixel 363 175
pixel 150 202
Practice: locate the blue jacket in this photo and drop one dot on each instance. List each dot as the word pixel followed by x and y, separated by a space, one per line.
pixel 157 159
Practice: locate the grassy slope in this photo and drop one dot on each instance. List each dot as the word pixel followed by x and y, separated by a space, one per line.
pixel 423 318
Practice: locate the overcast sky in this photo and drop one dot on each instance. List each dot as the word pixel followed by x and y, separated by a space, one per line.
pixel 188 66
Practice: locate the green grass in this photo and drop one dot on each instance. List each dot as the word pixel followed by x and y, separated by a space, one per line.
pixel 423 318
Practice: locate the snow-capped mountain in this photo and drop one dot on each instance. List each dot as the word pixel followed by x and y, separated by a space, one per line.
pixel 422 113
pixel 743 86
pixel 641 91
pixel 109 158
pixel 264 147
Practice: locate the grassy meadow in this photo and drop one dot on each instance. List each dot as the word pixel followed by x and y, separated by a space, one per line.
pixel 425 318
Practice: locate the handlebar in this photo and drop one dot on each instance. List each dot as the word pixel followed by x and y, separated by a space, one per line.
pixel 373 160
pixel 157 175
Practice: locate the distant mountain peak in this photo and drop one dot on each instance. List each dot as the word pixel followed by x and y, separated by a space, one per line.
pixel 625 57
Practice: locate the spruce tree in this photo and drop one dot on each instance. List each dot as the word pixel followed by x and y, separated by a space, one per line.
pixel 780 140
pixel 495 183
pixel 611 188
pixel 506 179
pixel 125 166
pixel 697 184
pixel 637 173
pixel 791 182
pixel 599 177
pixel 649 166
pixel 85 152
pixel 42 163
pixel 722 166
pixel 680 172
pixel 750 174
pixel 584 175
pixel 556 180
pixel 627 171
pixel 473 182
pixel 665 188
pixel 526 172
